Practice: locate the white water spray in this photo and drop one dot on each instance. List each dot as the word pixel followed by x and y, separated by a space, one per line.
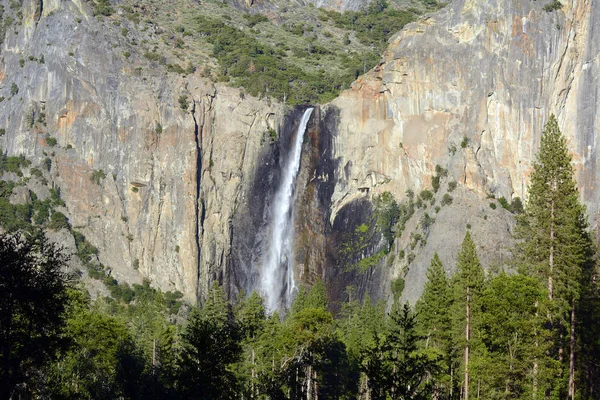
pixel 277 276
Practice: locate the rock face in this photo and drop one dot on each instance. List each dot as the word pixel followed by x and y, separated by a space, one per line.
pixel 170 177
pixel 181 187
pixel 470 88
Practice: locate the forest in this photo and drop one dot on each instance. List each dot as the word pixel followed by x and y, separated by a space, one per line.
pixel 530 329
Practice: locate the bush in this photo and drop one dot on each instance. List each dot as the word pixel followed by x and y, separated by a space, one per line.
pixel 504 203
pixel 97 176
pixel 47 164
pixel 103 7
pixel 452 185
pixel 398 287
pixel 426 195
pixel 465 142
pixel 446 200
pixel 14 89
pixel 435 183
pixel 50 141
pixel 441 172
pixel 58 221
pixel 13 164
pixel 183 102
pixel 555 5
pixel 516 205
pixel 493 205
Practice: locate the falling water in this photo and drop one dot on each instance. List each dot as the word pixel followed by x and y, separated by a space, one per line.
pixel 277 275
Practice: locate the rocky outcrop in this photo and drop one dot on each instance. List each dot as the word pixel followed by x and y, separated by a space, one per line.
pixel 182 168
pixel 470 88
pixel 168 176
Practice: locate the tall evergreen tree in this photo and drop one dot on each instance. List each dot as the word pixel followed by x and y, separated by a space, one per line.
pixel 408 366
pixel 555 245
pixel 434 325
pixel 364 335
pixel 211 345
pixel 513 334
pixel 467 285
pixel 33 293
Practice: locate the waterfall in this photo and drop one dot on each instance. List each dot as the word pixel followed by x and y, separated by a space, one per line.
pixel 277 275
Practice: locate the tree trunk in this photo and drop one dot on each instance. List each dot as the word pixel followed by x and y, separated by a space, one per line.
pixel 253 376
pixel 451 379
pixel 551 258
pixel 309 376
pixel 535 362
pixel 572 352
pixel 315 384
pixel 467 336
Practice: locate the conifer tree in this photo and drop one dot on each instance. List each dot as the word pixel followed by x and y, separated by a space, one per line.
pixel 364 336
pixel 467 285
pixel 555 245
pixel 434 324
pixel 513 334
pixel 211 345
pixel 408 365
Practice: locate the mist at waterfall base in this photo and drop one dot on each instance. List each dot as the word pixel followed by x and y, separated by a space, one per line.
pixel 276 269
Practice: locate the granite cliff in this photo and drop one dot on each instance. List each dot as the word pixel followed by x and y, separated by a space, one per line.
pixel 182 167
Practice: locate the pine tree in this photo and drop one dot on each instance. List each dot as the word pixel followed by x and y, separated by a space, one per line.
pixel 408 365
pixel 251 317
pixel 467 285
pixel 513 334
pixel 211 345
pixel 364 336
pixel 555 245
pixel 434 324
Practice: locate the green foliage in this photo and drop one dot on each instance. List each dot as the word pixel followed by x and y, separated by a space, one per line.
pixel 13 164
pixel 14 89
pixel 388 214
pixel 513 331
pixel 272 134
pixel 504 203
pixel 97 176
pixel 103 7
pixel 435 183
pixel 555 5
pixel 555 246
pixel 446 199
pixel 464 143
pixel 33 292
pixel 211 342
pixel 58 221
pixel 426 195
pixel 183 102
pixel 265 71
pixel 467 286
pixel 375 25
pixel 50 141
pixel 426 222
pixel 254 19
pixel 397 287
pixel 434 325
pixel 47 163
pixel 516 205
pixel 409 366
